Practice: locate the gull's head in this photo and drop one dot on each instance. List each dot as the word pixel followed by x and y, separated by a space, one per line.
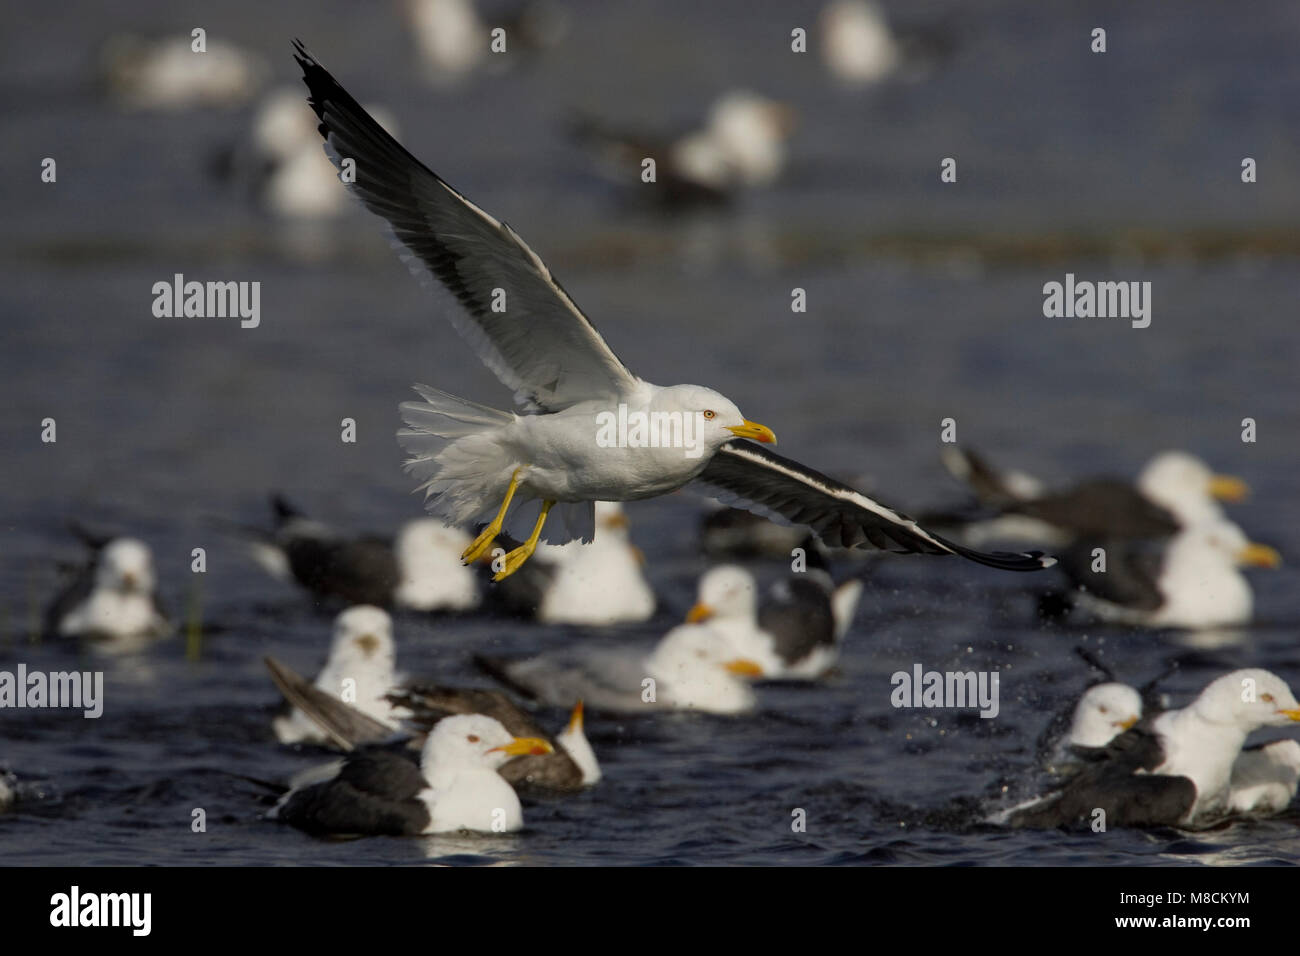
pixel 425 540
pixel 1223 543
pixel 1186 486
pixel 725 593
pixel 700 655
pixel 610 519
pixel 473 741
pixel 125 565
pixel 1248 700
pixel 363 636
pixel 857 42
pixel 1104 712
pixel 715 418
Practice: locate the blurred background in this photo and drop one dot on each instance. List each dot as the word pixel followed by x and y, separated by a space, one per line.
pixel 924 299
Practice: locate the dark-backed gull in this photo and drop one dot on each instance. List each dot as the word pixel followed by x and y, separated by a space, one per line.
pixel 1192 580
pixel 110 601
pixel 474 461
pixel 456 786
pixel 741 145
pixel 1174 490
pixel 794 632
pixel 1174 768
pixel 420 570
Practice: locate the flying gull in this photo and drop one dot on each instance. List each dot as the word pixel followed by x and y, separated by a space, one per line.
pixel 456 786
pixel 474 461
pixel 1172 769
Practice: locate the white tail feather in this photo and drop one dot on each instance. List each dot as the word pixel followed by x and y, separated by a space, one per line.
pixel 453 452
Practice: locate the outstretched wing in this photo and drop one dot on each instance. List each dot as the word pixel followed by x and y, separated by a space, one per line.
pixel 541 346
pixel 751 477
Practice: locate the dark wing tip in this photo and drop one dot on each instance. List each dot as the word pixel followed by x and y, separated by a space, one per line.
pixel 1005 560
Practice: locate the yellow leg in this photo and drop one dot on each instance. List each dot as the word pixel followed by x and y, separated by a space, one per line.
pixel 515 559
pixel 484 541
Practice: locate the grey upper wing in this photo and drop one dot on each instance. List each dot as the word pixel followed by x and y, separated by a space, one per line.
pixel 751 477
pixel 542 347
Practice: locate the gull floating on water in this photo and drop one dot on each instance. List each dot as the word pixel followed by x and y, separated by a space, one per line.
pixel 168 74
pixel 475 461
pixel 1264 777
pixel 741 145
pixel 421 570
pixel 280 161
pixel 1174 768
pixel 859 47
pixel 455 787
pixel 593 585
pixel 111 599
pixel 1193 580
pixel 795 633
pixel 362 664
pixel 570 767
pixel 693 667
pixel 1174 490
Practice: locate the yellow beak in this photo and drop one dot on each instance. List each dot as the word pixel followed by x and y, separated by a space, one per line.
pixel 744 667
pixel 1291 714
pixel 1228 488
pixel 1259 556
pixel 526 746
pixel 1126 724
pixel 575 718
pixel 753 430
pixel 701 612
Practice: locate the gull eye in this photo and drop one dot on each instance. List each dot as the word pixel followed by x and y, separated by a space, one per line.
pixel 710 414
pixel 472 738
pixel 1102 708
pixel 1266 698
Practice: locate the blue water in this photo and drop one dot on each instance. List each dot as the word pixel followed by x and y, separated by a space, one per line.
pixel 925 302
